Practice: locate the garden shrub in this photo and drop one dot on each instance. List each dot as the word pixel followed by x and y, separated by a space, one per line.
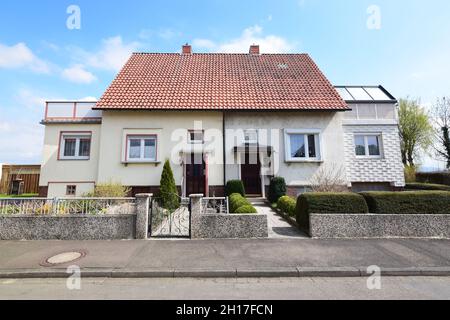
pixel 287 205
pixel 434 177
pixel 427 186
pixel 410 174
pixel 236 202
pixel 246 209
pixel 277 189
pixel 109 189
pixel 328 203
pixel 410 202
pixel 168 192
pixel 235 186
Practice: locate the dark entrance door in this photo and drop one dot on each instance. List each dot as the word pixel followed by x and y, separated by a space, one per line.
pixel 195 174
pixel 251 174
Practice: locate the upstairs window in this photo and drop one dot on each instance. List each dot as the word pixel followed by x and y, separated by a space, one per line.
pixel 75 146
pixel 196 137
pixel 302 146
pixel 141 148
pixel 368 145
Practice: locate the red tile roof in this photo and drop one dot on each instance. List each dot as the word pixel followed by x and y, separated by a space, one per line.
pixel 221 82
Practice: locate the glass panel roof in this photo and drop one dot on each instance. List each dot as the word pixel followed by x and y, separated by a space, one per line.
pixel 344 94
pixel 356 93
pixel 359 94
pixel 377 94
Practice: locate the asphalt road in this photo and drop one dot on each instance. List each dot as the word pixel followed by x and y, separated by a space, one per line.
pixel 239 289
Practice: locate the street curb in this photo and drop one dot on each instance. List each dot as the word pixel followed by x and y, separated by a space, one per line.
pixel 282 272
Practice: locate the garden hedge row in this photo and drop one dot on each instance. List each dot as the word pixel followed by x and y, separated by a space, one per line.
pixel 427 186
pixel 287 205
pixel 410 202
pixel 434 177
pixel 328 203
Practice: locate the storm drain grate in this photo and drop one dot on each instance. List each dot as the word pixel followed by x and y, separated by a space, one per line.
pixel 63 258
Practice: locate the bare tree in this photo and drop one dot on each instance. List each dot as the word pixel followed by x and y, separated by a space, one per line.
pixel 441 115
pixel 329 178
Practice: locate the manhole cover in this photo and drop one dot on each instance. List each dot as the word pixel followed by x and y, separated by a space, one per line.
pixel 63 258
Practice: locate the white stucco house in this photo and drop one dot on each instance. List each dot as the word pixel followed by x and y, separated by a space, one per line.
pixel 219 117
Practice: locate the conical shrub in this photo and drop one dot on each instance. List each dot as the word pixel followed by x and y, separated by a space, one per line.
pixel 168 190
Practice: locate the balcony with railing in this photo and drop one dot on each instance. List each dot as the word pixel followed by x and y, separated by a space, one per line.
pixel 71 112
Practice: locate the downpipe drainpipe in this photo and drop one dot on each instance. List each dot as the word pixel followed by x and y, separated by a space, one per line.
pixel 224 155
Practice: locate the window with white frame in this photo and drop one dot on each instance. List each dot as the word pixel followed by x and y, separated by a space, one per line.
pixel 141 148
pixel 196 137
pixel 302 146
pixel 251 136
pixel 368 145
pixel 75 146
pixel 71 190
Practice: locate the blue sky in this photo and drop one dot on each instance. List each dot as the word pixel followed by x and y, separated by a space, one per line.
pixel 41 59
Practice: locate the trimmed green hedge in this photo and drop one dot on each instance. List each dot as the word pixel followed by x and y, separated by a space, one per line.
pixel 410 202
pixel 328 203
pixel 277 189
pixel 235 186
pixel 246 209
pixel 427 186
pixel 434 177
pixel 287 205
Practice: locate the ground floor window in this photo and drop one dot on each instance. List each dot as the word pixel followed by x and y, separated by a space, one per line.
pixel 71 190
pixel 302 146
pixel 75 146
pixel 368 145
pixel 141 148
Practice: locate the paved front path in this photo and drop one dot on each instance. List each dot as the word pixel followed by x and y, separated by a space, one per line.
pixel 279 228
pixel 231 254
pixel 210 289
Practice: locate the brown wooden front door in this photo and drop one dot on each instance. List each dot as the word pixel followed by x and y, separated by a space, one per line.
pixel 251 174
pixel 195 174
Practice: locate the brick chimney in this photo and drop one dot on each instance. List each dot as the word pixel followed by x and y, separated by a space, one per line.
pixel 187 49
pixel 254 49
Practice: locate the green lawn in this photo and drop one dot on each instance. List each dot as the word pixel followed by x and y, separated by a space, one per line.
pixel 21 196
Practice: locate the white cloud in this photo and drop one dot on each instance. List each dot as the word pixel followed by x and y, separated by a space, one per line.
pixel 204 43
pixel 21 141
pixel 111 56
pixel 89 99
pixel 251 35
pixel 30 99
pixel 20 56
pixel 78 74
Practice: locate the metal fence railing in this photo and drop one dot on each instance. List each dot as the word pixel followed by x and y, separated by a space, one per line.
pixel 67 206
pixel 215 205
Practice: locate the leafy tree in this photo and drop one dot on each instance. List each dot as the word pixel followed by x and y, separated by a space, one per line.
pixel 168 190
pixel 441 113
pixel 416 131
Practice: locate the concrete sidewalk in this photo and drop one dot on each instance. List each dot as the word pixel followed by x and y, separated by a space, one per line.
pixel 229 258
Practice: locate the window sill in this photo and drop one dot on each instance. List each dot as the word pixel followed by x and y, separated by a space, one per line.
pixel 369 158
pixel 303 161
pixel 140 162
pixel 74 159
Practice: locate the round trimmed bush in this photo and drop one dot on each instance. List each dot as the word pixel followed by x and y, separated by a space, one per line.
pixel 246 209
pixel 235 186
pixel 287 205
pixel 239 202
pixel 277 189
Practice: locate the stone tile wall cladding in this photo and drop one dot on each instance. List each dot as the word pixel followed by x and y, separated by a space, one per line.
pixel 329 226
pixel 102 227
pixel 388 169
